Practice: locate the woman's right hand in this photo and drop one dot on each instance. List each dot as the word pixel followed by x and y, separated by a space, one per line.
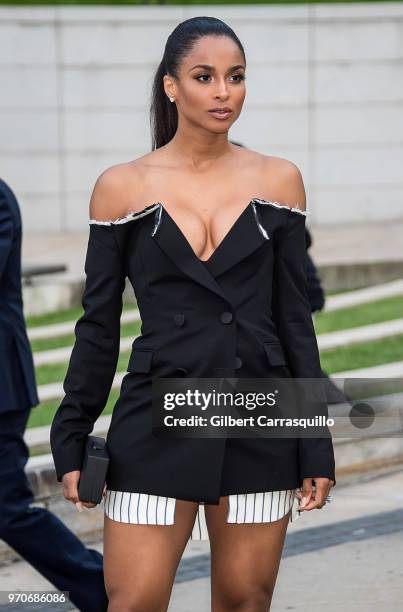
pixel 70 490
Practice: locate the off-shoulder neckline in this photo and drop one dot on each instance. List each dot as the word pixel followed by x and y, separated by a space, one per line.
pixel 133 215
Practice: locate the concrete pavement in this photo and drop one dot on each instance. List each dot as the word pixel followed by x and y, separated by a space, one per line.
pixel 346 556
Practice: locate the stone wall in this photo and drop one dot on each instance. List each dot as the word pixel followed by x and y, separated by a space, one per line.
pixel 324 89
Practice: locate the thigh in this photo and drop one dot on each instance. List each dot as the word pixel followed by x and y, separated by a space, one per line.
pixel 140 561
pixel 245 559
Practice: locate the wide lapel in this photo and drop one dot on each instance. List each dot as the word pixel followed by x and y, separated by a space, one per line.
pixel 245 236
pixel 169 237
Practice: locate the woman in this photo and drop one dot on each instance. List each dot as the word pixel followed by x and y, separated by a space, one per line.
pixel 212 238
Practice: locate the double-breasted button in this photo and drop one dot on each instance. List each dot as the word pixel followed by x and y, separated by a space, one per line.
pixel 179 319
pixel 226 317
pixel 238 363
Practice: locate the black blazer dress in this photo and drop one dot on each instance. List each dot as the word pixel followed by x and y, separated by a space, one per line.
pixel 244 312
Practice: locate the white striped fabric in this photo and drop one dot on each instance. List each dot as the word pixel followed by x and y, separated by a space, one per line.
pixel 261 507
pixel 147 509
pixel 139 508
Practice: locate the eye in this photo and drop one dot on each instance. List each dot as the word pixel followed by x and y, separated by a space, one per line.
pixel 240 77
pixel 202 75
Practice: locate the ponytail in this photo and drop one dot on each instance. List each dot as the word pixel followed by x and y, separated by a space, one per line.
pixel 163 112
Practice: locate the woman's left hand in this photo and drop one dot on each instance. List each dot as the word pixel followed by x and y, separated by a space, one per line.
pixel 314 498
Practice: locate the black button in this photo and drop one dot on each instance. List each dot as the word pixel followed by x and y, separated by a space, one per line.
pixel 238 363
pixel 179 319
pixel 226 317
pixel 182 371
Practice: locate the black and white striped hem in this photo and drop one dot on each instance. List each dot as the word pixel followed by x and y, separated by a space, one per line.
pixel 148 509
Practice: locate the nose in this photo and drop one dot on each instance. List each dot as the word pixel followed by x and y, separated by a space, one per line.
pixel 222 89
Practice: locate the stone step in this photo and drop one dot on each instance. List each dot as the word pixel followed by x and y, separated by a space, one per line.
pixel 55 330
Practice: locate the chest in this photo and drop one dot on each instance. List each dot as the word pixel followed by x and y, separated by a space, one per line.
pixel 162 261
pixel 204 227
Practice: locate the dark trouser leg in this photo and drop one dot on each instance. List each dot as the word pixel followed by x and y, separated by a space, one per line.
pixel 38 535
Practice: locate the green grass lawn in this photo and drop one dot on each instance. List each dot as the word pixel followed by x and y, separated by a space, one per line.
pixel 386 309
pixel 365 314
pixel 346 358
pixel 349 358
pixel 46 344
pixel 53 373
pixel 363 355
pixel 63 316
pixel 43 413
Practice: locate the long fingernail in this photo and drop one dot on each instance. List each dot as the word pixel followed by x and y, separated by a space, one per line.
pixel 304 500
pixel 79 506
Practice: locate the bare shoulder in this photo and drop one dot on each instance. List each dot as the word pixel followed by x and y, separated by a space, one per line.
pixel 284 179
pixel 114 191
pixel 277 179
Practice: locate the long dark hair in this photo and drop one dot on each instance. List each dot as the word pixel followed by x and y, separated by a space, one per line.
pixel 163 113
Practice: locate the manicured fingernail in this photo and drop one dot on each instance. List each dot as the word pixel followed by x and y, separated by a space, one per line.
pixel 304 500
pixel 79 506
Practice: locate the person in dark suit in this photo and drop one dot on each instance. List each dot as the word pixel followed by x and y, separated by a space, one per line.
pixel 317 300
pixel 35 533
pixel 316 295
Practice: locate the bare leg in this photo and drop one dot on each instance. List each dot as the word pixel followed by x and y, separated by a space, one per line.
pixel 245 560
pixel 140 561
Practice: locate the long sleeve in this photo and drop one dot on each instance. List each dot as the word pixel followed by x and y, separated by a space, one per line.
pixel 316 295
pixel 95 353
pixel 6 232
pixel 293 318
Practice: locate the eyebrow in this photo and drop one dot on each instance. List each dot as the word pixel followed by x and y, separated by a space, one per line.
pixel 208 67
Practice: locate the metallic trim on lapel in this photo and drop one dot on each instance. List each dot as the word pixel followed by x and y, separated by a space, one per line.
pixel 131 216
pixel 245 236
pixel 280 206
pixel 157 219
pixel 260 226
pixel 169 237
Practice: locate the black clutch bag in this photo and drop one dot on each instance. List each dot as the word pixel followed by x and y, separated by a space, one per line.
pixel 93 470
